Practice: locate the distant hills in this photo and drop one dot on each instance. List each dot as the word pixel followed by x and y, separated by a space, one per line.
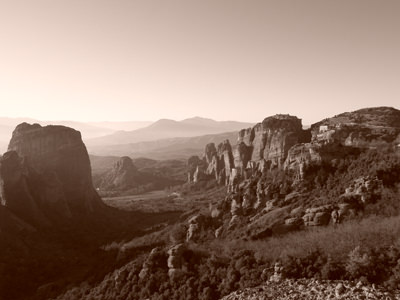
pixel 165 129
pixel 172 148
pixel 87 129
pixel 164 138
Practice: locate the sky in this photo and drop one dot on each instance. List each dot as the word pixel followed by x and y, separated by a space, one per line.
pixel 97 60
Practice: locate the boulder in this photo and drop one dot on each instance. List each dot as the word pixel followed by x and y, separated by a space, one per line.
pixel 175 259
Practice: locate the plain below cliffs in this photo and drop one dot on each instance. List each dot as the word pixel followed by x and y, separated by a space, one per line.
pixel 46 177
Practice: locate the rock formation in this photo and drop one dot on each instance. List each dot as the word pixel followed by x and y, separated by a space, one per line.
pixel 279 141
pixel 45 176
pixel 175 259
pixel 122 176
pixel 193 163
pixel 364 188
pixel 266 168
pixel 318 216
pixel 151 262
pixel 262 147
pixel 364 128
pixel 15 189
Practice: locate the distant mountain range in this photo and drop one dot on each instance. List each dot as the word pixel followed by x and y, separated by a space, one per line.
pixel 87 129
pixel 163 139
pixel 165 129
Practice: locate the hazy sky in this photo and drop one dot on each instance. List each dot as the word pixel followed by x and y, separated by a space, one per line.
pixel 223 59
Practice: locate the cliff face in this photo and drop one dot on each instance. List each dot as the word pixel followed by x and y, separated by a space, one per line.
pixel 266 168
pixel 346 133
pixel 15 189
pixel 46 174
pixel 272 138
pixel 280 142
pixel 266 145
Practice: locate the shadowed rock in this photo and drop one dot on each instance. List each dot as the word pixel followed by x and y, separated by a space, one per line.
pixel 46 174
pixel 122 176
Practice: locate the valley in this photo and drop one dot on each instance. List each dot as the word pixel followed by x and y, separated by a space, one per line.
pixel 321 203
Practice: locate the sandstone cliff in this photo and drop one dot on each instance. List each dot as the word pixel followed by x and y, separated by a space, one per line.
pixel 266 145
pixel 280 142
pixel 46 175
pixel 265 169
pixel 123 175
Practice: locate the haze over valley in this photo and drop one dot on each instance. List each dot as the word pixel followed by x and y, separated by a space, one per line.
pixel 199 150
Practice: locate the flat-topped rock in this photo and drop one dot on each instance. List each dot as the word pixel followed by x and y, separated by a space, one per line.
pixel 47 173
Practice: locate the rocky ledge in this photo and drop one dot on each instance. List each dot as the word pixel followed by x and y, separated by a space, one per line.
pixel 313 289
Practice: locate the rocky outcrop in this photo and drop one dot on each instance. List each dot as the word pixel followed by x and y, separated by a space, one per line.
pixel 313 289
pixel 198 225
pixel 193 163
pixel 242 155
pixel 124 175
pixel 367 189
pixel 318 216
pixel 279 141
pixel 213 162
pixel 364 128
pixel 225 155
pixel 216 164
pixel 262 147
pixel 341 135
pixel 46 175
pixel 175 259
pixel 281 133
pixel 195 225
pixel 59 152
pixel 150 263
pixel 270 140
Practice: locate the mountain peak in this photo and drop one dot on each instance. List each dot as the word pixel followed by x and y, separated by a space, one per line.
pixel 197 119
